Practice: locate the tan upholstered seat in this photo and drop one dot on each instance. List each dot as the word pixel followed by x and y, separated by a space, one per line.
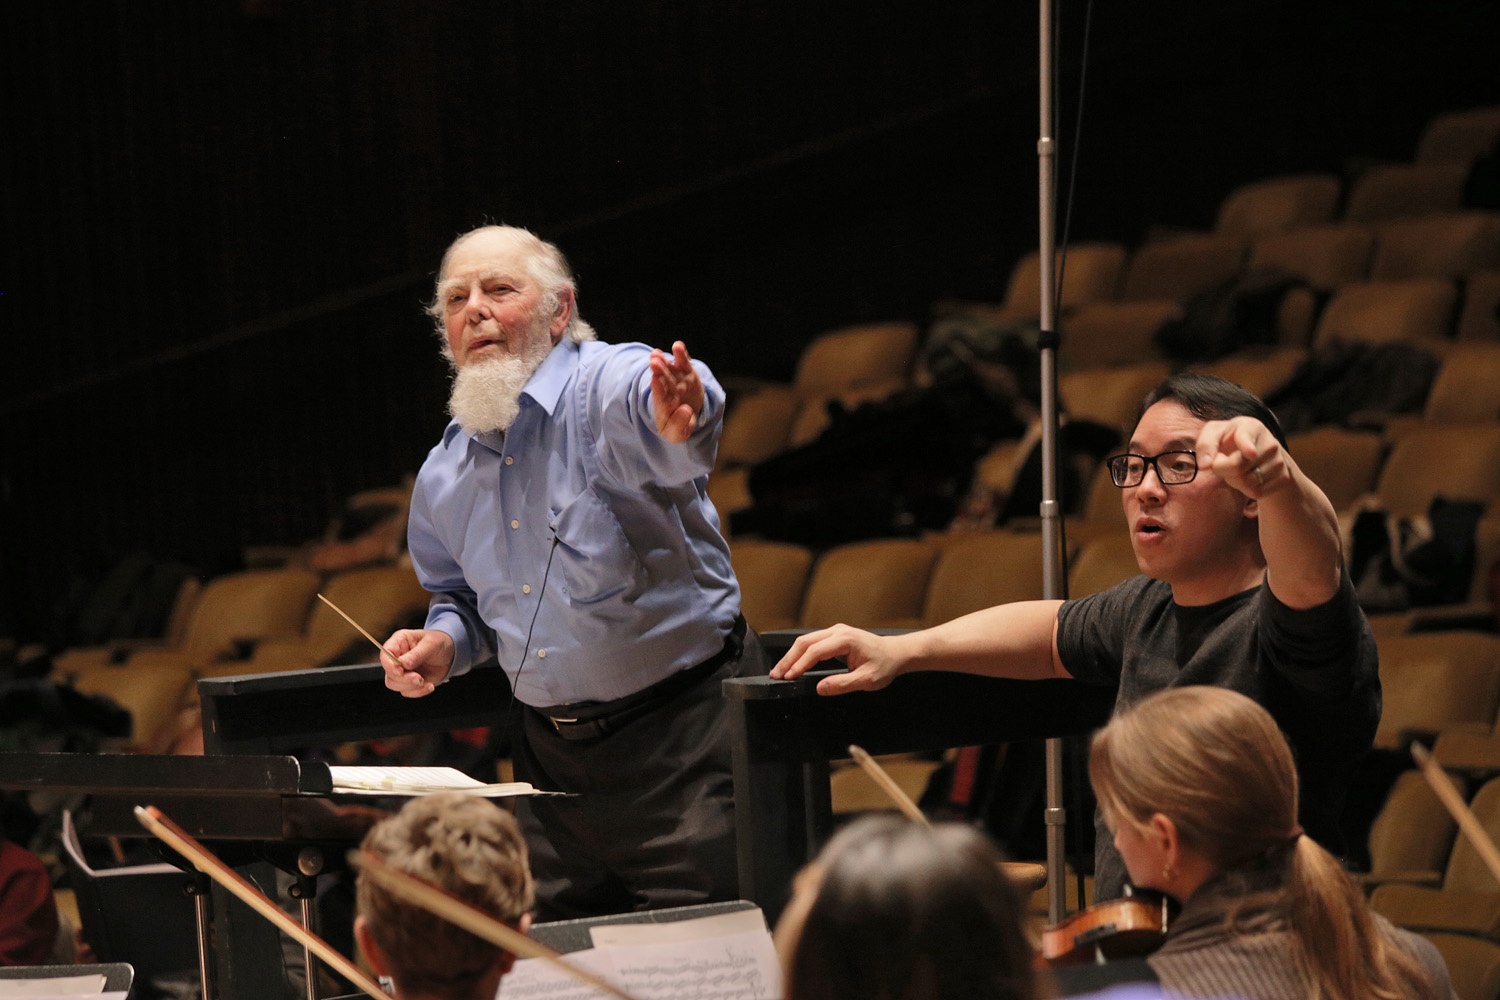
pixel 853 356
pixel 1102 562
pixel 1459 136
pixel 773 576
pixel 1459 462
pixel 1396 190
pixel 1468 900
pixel 874 584
pixel 1412 835
pixel 1450 245
pixel 981 570
pixel 1110 396
pixel 1437 681
pixel 1323 256
pixel 1343 462
pixel 1112 334
pixel 1179 268
pixel 1479 317
pixel 1473 964
pixel 1418 311
pixel 1278 204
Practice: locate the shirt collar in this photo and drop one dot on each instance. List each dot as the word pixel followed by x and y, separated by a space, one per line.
pixel 546 383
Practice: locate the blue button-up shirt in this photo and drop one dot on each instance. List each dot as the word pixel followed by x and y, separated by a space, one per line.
pixel 580 547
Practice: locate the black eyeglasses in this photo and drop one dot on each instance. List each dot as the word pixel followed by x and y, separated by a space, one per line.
pixel 1173 468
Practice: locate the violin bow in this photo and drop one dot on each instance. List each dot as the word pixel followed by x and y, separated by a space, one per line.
pixel 154 820
pixel 1450 797
pixel 420 892
pixel 888 784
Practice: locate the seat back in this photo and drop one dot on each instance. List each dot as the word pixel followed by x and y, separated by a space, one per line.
pixel 1323 256
pixel 1459 136
pixel 1459 462
pixel 1181 267
pixel 1466 868
pixel 1090 273
pixel 254 604
pixel 1110 396
pixel 1343 462
pixel 1479 319
pixel 1412 835
pixel 1467 386
pixel 1432 681
pixel 874 584
pixel 1395 190
pixel 1437 246
pixel 1277 204
pixel 380 598
pixel 855 355
pixel 981 570
pixel 1473 964
pixel 1101 563
pixel 1418 311
pixel 773 577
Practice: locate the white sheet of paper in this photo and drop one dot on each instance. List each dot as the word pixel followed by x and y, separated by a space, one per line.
pixel 385 780
pixel 724 967
pixel 747 921
pixel 50 986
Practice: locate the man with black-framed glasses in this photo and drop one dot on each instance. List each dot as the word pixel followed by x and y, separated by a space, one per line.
pixel 1243 586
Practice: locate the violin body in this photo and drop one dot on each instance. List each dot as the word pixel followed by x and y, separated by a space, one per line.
pixel 1120 928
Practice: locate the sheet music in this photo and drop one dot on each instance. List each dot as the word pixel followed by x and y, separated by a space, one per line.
pixel 89 986
pixel 385 780
pixel 728 967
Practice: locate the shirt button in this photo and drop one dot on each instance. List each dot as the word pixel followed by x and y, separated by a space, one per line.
pixel 509 460
pixel 525 588
pixel 515 523
pixel 541 654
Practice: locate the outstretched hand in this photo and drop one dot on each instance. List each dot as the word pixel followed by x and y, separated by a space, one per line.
pixel 1244 453
pixel 871 665
pixel 676 393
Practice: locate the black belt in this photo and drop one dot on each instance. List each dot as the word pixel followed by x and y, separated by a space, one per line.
pixel 592 720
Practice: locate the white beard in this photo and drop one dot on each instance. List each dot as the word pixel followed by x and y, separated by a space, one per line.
pixel 486 393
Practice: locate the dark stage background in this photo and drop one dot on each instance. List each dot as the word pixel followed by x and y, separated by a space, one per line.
pixel 221 216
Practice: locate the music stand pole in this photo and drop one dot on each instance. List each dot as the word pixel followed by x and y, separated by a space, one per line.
pixel 1052 582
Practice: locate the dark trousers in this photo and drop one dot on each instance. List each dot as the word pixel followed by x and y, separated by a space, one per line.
pixel 651 823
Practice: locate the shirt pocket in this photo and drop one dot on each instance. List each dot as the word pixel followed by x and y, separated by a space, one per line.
pixel 595 559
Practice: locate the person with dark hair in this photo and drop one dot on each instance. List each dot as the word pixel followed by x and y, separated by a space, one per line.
pixel 1243 586
pixel 469 848
pixel 1198 786
pixel 894 909
pixel 563 524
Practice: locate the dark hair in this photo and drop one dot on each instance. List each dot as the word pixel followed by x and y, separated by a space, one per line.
pixel 1209 397
pixel 908 912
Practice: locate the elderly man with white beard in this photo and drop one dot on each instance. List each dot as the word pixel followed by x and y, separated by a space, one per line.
pixel 562 524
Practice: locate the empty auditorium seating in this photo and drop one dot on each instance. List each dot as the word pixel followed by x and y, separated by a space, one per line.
pixel 1412 835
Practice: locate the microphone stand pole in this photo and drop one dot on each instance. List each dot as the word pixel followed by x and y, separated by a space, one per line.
pixel 1052 582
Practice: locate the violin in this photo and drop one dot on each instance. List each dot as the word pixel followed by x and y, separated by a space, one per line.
pixel 1129 927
